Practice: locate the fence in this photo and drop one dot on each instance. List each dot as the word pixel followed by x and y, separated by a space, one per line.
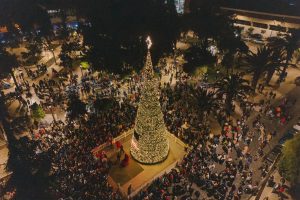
pixel 168 169
pixel 129 133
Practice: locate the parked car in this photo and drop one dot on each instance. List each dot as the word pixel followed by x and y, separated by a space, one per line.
pixel 271 157
pixel 287 136
pixel 258 41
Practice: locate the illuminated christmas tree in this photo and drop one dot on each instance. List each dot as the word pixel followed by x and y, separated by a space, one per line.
pixel 149 143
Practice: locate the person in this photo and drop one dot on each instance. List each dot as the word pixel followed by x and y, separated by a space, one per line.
pixel 282 180
pixel 275 187
pixel 271 181
pixel 118 157
pixel 125 161
pixel 129 190
pixel 122 149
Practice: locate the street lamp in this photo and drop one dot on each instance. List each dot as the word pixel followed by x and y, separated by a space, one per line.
pixel 50 107
pixel 217 74
pixel 84 66
pixel 174 49
pixel 80 66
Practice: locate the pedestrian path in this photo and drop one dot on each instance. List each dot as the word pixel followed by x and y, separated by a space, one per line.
pixel 3 160
pixel 268 193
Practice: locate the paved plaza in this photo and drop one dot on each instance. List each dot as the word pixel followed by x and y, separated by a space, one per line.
pixel 149 100
pixel 139 175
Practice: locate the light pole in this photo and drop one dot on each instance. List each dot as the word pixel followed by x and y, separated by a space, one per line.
pixel 81 71
pixel 50 107
pixel 175 66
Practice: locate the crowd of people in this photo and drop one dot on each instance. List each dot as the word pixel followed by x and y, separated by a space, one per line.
pixel 41 69
pixel 218 164
pixel 69 149
pixel 182 116
pixel 78 173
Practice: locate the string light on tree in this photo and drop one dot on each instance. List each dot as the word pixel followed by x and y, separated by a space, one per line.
pixel 149 42
pixel 149 143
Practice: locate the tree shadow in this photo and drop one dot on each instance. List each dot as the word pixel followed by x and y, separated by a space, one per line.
pixel 294 191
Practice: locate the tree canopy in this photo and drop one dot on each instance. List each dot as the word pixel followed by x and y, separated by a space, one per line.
pixel 104 104
pixel 25 16
pixel 258 63
pixel 30 170
pixel 115 30
pixel 76 108
pixel 206 101
pixel 234 87
pixel 198 55
pixel 118 29
pixel 290 160
pixel 37 112
pixel 7 62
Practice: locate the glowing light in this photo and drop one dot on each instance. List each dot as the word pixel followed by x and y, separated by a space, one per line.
pixel 134 144
pixel 149 42
pixel 149 144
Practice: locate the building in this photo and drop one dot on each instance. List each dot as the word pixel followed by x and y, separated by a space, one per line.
pixel 180 6
pixel 264 20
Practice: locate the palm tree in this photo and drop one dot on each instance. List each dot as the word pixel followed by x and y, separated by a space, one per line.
pixel 233 87
pixel 276 59
pixel 228 61
pixel 206 101
pixel 289 44
pixel 198 55
pixel 104 104
pixel 7 64
pixel 66 60
pixel 76 108
pixel 258 63
pixel 275 42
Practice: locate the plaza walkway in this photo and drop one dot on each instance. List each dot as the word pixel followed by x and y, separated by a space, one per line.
pixel 287 89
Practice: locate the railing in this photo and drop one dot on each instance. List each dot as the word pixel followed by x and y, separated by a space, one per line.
pixel 148 183
pixel 129 133
pixel 122 136
pixel 262 185
pixel 119 138
pixel 177 140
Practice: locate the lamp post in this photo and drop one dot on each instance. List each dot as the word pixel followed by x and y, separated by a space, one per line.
pixel 50 107
pixel 81 71
pixel 174 58
pixel 217 74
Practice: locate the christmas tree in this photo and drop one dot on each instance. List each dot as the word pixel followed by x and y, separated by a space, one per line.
pixel 149 143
